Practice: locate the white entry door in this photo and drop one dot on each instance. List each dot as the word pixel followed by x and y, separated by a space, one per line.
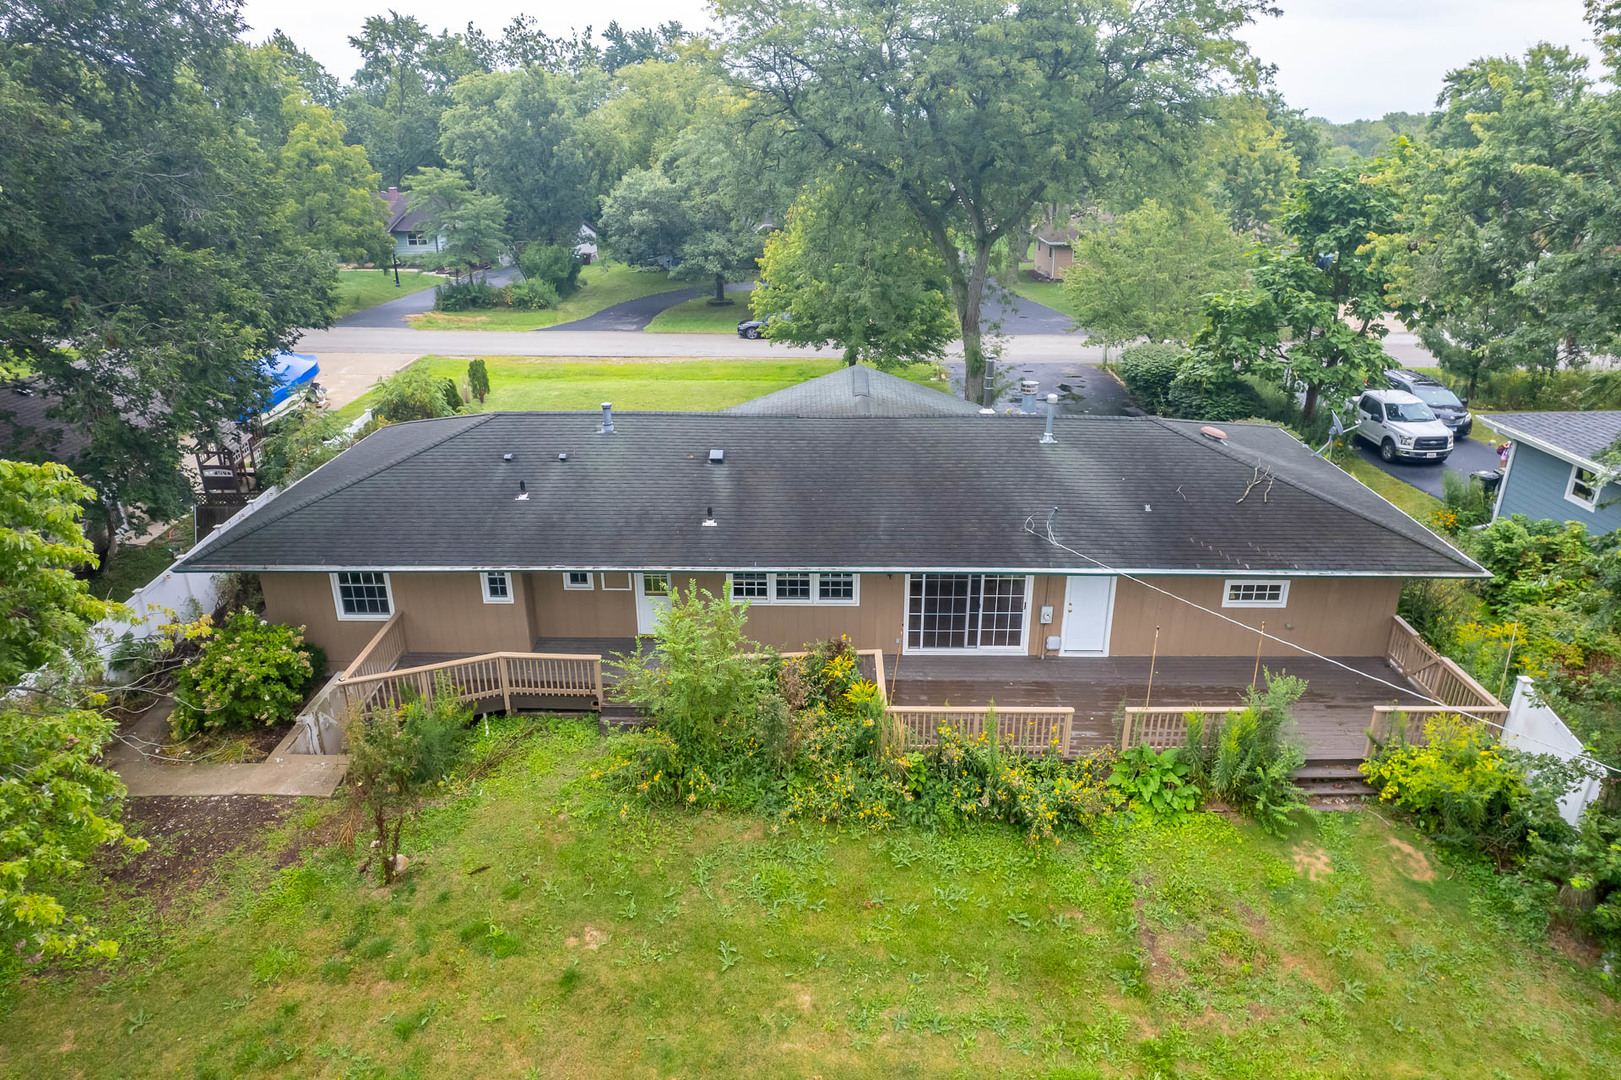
pixel 1088 611
pixel 652 597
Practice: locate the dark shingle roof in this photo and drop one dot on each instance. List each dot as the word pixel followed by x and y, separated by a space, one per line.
pixel 1581 434
pixel 401 218
pixel 936 493
pixel 856 391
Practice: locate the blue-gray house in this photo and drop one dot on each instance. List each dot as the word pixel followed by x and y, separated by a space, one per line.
pixel 1554 472
pixel 406 225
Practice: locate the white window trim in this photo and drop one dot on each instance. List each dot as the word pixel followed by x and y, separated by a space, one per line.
pixel 815 599
pixel 1022 649
pixel 1570 489
pixel 1227 589
pixel 337 601
pixel 484 587
pixel 568 583
pixel 630 581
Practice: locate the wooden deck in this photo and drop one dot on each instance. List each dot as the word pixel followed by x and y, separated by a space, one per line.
pixel 1332 718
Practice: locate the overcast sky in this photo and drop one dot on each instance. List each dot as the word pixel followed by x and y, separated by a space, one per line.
pixel 1340 59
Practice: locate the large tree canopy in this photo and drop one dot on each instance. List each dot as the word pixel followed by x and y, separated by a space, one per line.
pixel 968 111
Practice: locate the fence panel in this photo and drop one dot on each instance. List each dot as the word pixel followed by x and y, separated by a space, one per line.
pixel 1162 728
pixel 1028 730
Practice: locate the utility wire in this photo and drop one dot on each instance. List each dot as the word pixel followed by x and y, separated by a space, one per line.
pixel 1030 527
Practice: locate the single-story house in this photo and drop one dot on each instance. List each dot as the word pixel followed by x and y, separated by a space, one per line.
pixel 1553 469
pixel 932 536
pixel 405 225
pixel 1053 253
pixel 856 390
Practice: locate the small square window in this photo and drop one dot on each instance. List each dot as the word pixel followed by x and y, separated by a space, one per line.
pixel 362 594
pixel 751 586
pixel 577 579
pixel 1583 488
pixel 793 588
pixel 836 588
pixel 1256 594
pixel 497 586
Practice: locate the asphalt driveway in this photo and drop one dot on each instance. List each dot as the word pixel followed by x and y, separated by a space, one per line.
pixel 636 314
pixel 1468 455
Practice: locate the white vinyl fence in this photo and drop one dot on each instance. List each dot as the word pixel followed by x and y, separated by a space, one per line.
pixel 1533 727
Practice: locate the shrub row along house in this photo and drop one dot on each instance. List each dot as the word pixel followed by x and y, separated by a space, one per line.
pixel 1068 562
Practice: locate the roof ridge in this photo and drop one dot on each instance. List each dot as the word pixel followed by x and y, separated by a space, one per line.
pixel 478 420
pixel 1427 538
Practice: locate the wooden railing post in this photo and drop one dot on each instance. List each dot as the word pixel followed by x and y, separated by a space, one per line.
pixel 596 671
pixel 504 666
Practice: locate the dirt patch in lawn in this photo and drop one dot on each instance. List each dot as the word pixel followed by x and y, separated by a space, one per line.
pixel 188 836
pixel 1313 862
pixel 1410 861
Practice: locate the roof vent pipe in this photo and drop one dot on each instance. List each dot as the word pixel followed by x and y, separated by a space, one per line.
pixel 1027 390
pixel 1047 437
pixel 607 427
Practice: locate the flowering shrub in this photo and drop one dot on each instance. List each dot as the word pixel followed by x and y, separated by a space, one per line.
pixel 249 672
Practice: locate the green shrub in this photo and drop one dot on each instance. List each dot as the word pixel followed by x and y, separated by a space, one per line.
pixel 1148 371
pixel 1159 784
pixel 478 379
pixel 1225 399
pixel 1248 759
pixel 1463 504
pixel 551 264
pixel 415 394
pixel 1469 792
pixel 250 673
pixel 1588 872
pixel 532 295
pixel 463 296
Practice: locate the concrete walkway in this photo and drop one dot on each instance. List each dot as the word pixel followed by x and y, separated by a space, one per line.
pixel 280 774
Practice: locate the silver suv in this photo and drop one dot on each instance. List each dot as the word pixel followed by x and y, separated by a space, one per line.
pixel 1401 426
pixel 1447 406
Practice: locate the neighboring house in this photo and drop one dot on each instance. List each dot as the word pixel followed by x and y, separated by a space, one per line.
pixel 1554 472
pixel 916 535
pixel 586 249
pixel 856 391
pixel 1053 253
pixel 405 225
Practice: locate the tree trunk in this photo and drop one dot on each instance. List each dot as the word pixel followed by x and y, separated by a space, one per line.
pixel 969 294
pixel 720 289
pixel 1309 409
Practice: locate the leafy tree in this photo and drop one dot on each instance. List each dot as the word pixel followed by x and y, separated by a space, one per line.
pixel 56 807
pixel 518 134
pixel 319 84
pixel 331 189
pixel 45 611
pixel 478 379
pixel 472 225
pixel 851 270
pixel 149 266
pixel 969 111
pixel 1313 320
pixel 652 103
pixel 414 394
pixel 1144 273
pixel 1254 162
pixel 554 264
pixel 394 757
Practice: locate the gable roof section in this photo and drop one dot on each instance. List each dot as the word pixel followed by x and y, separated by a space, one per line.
pixel 401 218
pixel 1575 436
pixel 856 391
pixel 935 493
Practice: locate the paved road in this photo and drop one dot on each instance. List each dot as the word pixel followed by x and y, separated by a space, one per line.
pixel 1011 313
pixel 394 312
pixel 1468 455
pixel 634 315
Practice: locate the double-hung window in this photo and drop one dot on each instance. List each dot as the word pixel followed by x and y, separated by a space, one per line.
pixel 1240 593
pixel 760 587
pixel 577 579
pixel 497 586
pixel 362 594
pixel 1583 487
pixel 966 612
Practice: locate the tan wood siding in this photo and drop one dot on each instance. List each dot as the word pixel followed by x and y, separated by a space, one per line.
pixel 444 612
pixel 1332 616
pixel 875 623
pixel 586 613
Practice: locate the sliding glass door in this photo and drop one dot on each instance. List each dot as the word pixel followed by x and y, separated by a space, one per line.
pixel 966 612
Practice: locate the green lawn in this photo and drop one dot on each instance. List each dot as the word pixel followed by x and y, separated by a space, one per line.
pixel 1050 293
pixel 1415 503
pixel 539 932
pixel 699 316
pixel 602 285
pixel 366 288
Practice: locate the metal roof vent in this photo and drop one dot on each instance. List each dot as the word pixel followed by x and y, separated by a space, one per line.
pixel 709 518
pixel 523 495
pixel 562 457
pixel 1213 433
pixel 1047 437
pixel 717 457
pixel 987 411
pixel 607 427
pixel 506 457
pixel 1028 388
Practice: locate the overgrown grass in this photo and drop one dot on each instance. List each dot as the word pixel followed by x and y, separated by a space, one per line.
pixel 540 933
pixel 699 316
pixel 367 288
pixel 133 565
pixel 602 284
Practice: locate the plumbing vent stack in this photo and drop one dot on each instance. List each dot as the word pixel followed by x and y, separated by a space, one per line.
pixel 607 427
pixel 1048 438
pixel 1027 391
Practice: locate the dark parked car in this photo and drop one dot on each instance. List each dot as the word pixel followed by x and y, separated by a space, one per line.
pixel 1446 405
pixel 756 328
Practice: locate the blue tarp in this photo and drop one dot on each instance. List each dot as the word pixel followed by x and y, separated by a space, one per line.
pixel 289 374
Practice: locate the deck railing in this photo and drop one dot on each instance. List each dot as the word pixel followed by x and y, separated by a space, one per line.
pixel 1164 727
pixel 503 675
pixel 1438 676
pixel 875 655
pixel 1383 725
pixel 1026 730
pixel 383 651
